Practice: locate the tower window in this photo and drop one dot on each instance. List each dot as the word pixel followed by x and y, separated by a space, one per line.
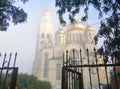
pixel 42 38
pixel 46 65
pixel 48 38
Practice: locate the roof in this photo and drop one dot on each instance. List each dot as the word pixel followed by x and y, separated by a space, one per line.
pixel 77 26
pixel 60 31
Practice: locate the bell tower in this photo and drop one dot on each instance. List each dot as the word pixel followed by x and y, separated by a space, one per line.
pixel 45 31
pixel 44 40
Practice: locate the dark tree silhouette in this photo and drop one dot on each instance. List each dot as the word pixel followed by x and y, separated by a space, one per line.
pixel 109 15
pixel 11 13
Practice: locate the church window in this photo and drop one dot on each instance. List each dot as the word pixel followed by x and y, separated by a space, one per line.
pixel 46 65
pixel 58 71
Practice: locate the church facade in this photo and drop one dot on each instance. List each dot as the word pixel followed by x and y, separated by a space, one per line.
pixel 47 65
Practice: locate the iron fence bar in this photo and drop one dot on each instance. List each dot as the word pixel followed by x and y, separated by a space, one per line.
pixel 115 73
pixel 67 58
pixel 78 77
pixel 89 69
pixel 14 78
pixel 14 74
pixel 63 73
pixel 81 70
pixel 73 69
pixel 99 65
pixel 72 82
pixel 75 79
pixel 2 66
pixel 62 78
pixel 15 59
pixel 10 68
pixel 69 73
pixel 106 77
pixel 4 85
pixel 116 78
pixel 63 59
pixel 96 59
pixel 66 74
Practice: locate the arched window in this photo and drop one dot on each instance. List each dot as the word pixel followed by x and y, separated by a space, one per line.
pixel 77 38
pixel 46 65
pixel 42 38
pixel 48 38
pixel 73 37
pixel 80 37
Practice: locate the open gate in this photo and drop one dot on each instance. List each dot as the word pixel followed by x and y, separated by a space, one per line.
pixel 89 72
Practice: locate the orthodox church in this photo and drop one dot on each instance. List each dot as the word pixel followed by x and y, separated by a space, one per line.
pixel 49 54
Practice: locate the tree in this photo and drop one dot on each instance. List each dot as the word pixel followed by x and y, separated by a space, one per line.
pixel 31 82
pixel 11 13
pixel 109 15
pixel 25 81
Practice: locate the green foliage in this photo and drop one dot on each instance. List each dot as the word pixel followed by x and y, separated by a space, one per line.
pixel 105 86
pixel 2 81
pixel 11 13
pixel 109 14
pixel 31 82
pixel 25 81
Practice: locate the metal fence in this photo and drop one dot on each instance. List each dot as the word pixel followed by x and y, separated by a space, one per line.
pixel 89 71
pixel 8 69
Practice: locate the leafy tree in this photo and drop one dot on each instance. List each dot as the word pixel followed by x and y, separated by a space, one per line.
pixel 109 15
pixel 25 81
pixel 11 13
pixel 31 82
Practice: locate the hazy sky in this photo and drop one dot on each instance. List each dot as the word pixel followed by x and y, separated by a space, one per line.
pixel 22 38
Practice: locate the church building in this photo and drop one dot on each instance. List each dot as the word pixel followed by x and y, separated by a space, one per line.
pixel 47 65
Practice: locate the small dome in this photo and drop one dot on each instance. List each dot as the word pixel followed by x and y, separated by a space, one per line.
pixel 89 28
pixel 46 12
pixel 77 26
pixel 60 31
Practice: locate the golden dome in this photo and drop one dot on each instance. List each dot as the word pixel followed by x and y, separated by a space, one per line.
pixel 76 26
pixel 60 31
pixel 89 28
